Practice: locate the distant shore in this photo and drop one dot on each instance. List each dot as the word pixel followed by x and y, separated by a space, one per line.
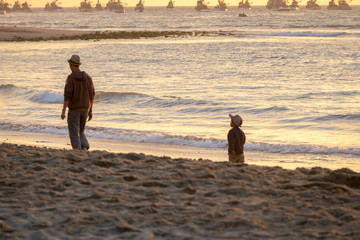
pixel 50 193
pixel 18 34
pixel 14 33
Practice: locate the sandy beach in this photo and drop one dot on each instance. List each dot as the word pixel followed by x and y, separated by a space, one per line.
pixel 8 33
pixel 50 193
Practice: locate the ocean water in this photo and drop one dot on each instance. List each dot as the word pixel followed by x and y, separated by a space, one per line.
pixel 293 77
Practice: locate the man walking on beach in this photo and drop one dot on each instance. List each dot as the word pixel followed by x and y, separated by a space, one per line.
pixel 236 140
pixel 79 94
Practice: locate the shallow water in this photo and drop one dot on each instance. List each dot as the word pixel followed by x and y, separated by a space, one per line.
pixel 293 77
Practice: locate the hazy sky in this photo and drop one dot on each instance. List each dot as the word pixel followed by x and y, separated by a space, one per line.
pixel 76 3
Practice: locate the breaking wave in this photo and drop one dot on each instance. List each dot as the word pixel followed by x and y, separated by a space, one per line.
pixel 48 97
pixel 116 96
pixel 139 99
pixel 192 141
pixel 269 109
pixel 301 149
pixel 333 117
pixel 328 94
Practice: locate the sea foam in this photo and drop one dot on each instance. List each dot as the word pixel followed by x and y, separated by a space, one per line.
pixel 191 141
pixel 48 97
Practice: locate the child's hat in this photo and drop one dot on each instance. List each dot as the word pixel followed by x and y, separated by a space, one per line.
pixel 237 120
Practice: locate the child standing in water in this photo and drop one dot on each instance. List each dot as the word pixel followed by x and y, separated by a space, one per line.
pixel 236 140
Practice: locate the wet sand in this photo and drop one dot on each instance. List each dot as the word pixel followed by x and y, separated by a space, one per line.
pixel 60 141
pixel 8 33
pixel 50 193
pixel 14 33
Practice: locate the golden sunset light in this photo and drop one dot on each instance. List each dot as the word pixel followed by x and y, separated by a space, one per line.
pixel 179 119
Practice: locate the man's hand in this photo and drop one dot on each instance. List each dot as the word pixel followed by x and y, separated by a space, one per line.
pixel 63 115
pixel 90 116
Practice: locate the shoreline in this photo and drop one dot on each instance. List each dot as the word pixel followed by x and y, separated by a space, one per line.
pixel 50 193
pixel 62 142
pixel 21 34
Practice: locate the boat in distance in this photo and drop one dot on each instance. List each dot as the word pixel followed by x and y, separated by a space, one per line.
pixel 98 6
pixel 244 5
pixel 53 7
pixel 21 8
pixel 342 5
pixel 312 5
pixel 85 6
pixel 115 6
pixel 278 5
pixel 4 7
pixel 170 6
pixel 221 6
pixel 140 6
pixel 294 5
pixel 201 6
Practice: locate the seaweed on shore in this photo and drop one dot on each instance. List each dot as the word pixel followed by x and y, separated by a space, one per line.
pixel 116 35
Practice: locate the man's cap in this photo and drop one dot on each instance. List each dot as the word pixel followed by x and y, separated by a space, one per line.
pixel 237 120
pixel 74 60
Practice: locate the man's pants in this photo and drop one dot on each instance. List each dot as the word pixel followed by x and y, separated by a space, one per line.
pixel 236 158
pixel 76 125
